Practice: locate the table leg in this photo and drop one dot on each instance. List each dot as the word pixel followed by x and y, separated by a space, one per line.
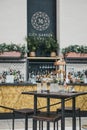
pixel 63 115
pixel 74 114
pixel 35 110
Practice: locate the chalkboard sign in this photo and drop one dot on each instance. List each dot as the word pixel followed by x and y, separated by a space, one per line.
pixel 41 17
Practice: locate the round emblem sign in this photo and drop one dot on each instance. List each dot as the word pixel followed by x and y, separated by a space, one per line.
pixel 40 21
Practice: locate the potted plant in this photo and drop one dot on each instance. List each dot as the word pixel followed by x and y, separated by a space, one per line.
pixel 32 44
pixel 52 45
pixel 43 46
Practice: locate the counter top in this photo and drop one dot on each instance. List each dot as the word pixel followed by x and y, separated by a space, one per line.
pixel 18 84
pixel 32 84
pixel 80 84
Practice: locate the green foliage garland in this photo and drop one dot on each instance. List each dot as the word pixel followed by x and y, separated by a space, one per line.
pixel 74 48
pixel 13 47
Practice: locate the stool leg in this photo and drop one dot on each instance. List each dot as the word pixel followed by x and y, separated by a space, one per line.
pixel 48 125
pixel 40 125
pixel 57 125
pixel 54 125
pixel 13 121
pixel 79 120
pixel 26 122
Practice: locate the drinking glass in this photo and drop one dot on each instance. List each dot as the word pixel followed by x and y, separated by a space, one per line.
pixel 38 87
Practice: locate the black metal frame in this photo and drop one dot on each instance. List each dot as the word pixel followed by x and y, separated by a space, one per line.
pixel 62 96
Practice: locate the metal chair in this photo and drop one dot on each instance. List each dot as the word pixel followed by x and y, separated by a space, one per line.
pixel 44 117
pixel 69 112
pixel 25 112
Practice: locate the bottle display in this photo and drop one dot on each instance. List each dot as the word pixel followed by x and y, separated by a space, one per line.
pixel 38 70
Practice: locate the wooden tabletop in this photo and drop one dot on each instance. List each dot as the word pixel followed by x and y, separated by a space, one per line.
pixel 55 94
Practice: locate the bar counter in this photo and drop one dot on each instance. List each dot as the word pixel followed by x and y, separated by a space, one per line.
pixel 18 84
pixel 10 96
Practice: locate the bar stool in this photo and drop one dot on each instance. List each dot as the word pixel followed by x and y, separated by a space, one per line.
pixel 25 112
pixel 69 112
pixel 44 117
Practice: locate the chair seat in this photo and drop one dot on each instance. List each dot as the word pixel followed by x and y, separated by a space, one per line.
pixel 25 111
pixel 47 117
pixel 69 112
pixel 68 109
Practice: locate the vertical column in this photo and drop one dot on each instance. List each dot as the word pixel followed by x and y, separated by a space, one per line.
pixel 58 22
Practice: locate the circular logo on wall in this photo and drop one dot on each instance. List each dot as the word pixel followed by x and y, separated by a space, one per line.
pixel 40 21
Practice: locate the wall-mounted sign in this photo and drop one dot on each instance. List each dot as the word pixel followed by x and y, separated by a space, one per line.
pixel 40 21
pixel 41 17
